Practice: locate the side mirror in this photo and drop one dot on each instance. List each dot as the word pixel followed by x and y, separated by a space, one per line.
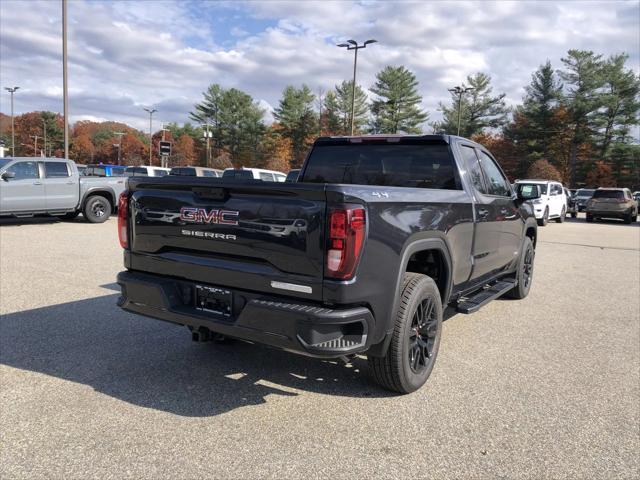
pixel 7 175
pixel 527 192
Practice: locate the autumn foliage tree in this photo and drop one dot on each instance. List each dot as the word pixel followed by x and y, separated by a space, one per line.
pixel 601 175
pixel 82 149
pixel 184 152
pixel 543 170
pixel 276 150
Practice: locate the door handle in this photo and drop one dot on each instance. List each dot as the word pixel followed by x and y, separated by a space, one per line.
pixel 71 183
pixel 483 212
pixel 37 183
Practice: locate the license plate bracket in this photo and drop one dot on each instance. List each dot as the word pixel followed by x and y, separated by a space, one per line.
pixel 213 300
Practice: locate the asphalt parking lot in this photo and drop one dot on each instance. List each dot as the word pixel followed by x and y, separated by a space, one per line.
pixel 547 387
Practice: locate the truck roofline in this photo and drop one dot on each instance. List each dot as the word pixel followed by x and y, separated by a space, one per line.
pixel 388 137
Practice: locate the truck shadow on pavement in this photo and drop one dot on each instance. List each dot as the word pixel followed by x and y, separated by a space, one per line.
pixel 39 220
pixel 156 365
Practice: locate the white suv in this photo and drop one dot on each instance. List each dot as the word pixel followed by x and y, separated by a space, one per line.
pixel 552 202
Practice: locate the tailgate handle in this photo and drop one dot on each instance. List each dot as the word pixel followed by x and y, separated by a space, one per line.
pixel 212 193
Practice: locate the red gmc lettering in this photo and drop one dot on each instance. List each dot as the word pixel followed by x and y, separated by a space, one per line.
pixel 202 215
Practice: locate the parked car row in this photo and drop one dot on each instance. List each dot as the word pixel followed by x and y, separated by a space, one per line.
pixel 556 202
pixel 106 170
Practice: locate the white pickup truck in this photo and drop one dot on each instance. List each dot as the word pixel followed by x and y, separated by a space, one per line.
pixel 32 186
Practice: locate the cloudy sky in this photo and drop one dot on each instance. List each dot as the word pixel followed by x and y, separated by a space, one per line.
pixel 125 55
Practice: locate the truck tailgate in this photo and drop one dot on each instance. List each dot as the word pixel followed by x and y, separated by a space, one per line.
pixel 267 237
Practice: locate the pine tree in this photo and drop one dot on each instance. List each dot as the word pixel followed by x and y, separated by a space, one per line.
pixel 583 74
pixel 620 100
pixel 479 110
pixel 235 121
pixel 339 104
pixel 331 121
pixel 297 118
pixel 208 112
pixel 397 108
pixel 535 121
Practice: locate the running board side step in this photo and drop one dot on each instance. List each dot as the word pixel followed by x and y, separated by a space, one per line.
pixel 479 299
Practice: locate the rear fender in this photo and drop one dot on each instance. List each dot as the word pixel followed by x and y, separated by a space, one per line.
pixel 419 242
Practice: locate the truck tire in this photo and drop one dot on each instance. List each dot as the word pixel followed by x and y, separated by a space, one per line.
pixel 524 274
pixel 415 339
pixel 545 218
pixel 97 209
pixel 563 214
pixel 574 214
pixel 589 218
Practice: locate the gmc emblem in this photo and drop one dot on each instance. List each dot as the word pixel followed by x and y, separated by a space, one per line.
pixel 202 215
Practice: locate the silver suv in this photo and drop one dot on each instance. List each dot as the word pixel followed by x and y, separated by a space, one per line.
pixel 612 203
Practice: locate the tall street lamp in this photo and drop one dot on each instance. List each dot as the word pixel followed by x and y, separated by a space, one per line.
pixel 35 144
pixel 353 45
pixel 151 112
pixel 65 86
pixel 13 133
pixel 119 144
pixel 44 130
pixel 207 136
pixel 460 91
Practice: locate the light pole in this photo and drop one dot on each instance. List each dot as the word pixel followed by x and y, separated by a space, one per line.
pixel 353 45
pixel 13 134
pixel 35 145
pixel 65 89
pixel 207 136
pixel 44 130
pixel 151 112
pixel 119 145
pixel 460 91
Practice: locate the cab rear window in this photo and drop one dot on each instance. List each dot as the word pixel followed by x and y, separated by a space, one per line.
pixel 394 165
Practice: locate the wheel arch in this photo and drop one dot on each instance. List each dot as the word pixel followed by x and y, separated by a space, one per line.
pixel 427 242
pixel 531 230
pixel 107 193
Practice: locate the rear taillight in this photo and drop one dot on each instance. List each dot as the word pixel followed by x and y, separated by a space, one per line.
pixel 123 215
pixel 347 228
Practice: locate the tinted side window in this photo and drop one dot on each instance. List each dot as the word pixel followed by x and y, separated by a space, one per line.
pixel 24 170
pixel 245 174
pixel 160 173
pixel 117 171
pixel 135 171
pixel 55 170
pixel 496 183
pixel 209 173
pixel 266 177
pixel 473 166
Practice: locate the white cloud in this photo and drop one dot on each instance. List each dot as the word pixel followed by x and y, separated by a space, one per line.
pixel 125 55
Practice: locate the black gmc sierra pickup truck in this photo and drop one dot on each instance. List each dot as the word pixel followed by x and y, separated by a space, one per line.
pixel 359 256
